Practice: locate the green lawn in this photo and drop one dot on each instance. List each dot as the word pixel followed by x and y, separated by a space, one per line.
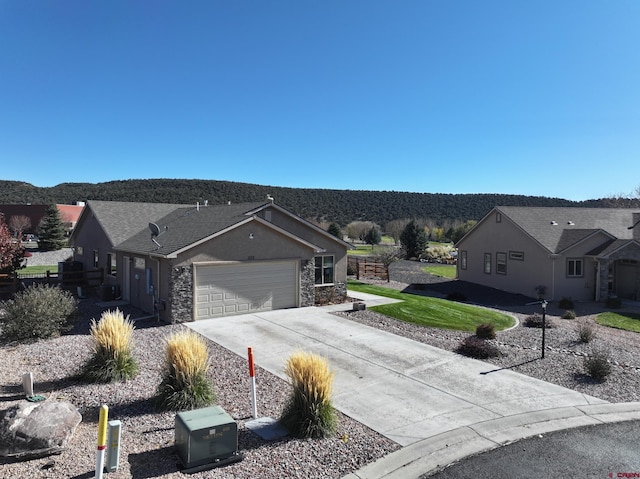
pixel 38 269
pixel 367 250
pixel 628 321
pixel 433 312
pixel 444 270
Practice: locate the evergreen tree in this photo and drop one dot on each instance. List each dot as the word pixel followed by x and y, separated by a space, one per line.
pixel 11 252
pixel 414 240
pixel 335 230
pixel 52 236
pixel 372 237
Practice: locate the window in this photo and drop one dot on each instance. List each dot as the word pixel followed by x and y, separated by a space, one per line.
pixel 95 258
pixel 111 265
pixel 487 263
pixel 516 255
pixel 574 267
pixel 324 269
pixel 501 263
pixel 498 217
pixel 79 250
pixel 463 259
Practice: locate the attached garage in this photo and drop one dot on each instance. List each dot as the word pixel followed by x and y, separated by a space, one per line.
pixel 226 289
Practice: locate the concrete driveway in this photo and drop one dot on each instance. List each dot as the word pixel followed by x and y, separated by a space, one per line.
pixel 421 397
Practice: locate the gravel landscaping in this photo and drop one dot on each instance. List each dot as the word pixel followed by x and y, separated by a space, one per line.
pixel 147 436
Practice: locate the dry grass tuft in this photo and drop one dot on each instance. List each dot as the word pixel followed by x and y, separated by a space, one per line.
pixel 112 359
pixel 184 383
pixel 309 412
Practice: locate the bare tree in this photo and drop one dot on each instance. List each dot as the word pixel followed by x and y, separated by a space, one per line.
pixel 394 228
pixel 357 230
pixel 18 224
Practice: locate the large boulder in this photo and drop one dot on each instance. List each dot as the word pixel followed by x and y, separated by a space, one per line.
pixel 30 429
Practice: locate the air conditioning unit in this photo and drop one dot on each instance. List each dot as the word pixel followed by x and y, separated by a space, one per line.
pixel 206 438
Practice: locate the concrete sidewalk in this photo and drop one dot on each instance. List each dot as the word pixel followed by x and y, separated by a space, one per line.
pixel 431 399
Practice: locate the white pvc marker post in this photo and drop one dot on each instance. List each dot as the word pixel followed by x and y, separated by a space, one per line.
pixel 252 374
pixel 102 440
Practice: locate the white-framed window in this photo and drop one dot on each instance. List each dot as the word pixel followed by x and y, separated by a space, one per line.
pixel 487 263
pixel 575 267
pixel 501 263
pixel 324 269
pixel 96 256
pixel 463 259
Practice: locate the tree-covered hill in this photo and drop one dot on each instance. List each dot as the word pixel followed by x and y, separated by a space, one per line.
pixel 340 206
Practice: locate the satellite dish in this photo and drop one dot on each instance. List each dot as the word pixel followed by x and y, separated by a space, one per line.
pixel 155 231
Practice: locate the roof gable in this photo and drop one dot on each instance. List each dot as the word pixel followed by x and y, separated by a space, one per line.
pixel 185 228
pixel 559 228
pixel 121 220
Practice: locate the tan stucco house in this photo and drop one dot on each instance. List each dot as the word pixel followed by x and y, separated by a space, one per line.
pixel 585 254
pixel 186 263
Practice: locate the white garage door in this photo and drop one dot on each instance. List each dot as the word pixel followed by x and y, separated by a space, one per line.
pixel 239 288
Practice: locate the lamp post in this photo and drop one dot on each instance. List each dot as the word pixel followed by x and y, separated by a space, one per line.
pixel 544 322
pixel 543 303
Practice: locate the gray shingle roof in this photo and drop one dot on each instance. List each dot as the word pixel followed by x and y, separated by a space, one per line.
pixel 558 228
pixel 120 220
pixel 183 227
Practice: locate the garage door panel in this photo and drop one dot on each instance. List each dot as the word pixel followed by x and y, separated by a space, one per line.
pixel 245 287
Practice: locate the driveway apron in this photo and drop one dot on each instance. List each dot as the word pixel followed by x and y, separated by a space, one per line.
pixel 403 389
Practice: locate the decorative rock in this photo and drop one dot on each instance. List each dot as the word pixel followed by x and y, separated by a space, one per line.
pixel 30 430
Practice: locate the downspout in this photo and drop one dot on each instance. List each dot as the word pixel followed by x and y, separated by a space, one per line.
pixel 156 289
pixel 553 276
pixel 597 295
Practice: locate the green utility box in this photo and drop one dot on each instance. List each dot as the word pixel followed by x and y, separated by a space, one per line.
pixel 206 437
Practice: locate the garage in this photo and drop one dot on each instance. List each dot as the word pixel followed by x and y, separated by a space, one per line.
pixel 226 289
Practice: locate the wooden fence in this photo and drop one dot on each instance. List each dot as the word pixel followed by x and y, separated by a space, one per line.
pixel 366 268
pixel 9 284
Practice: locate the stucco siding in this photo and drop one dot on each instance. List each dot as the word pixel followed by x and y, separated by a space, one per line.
pixel 527 263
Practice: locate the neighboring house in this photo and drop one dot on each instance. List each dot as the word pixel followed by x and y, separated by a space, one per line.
pixel 69 215
pixel 186 263
pixel 586 254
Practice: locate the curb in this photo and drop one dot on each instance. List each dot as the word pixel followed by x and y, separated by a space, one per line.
pixel 432 454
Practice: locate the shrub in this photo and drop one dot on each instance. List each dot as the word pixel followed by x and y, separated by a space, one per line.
pixel 535 321
pixel 309 412
pixel 566 303
pixel 112 349
pixel 486 331
pixel 586 333
pixel 456 296
pixel 38 312
pixel 597 365
pixel 477 348
pixel 569 314
pixel 184 382
pixel 614 303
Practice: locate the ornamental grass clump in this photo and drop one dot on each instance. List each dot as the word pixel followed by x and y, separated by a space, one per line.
pixel 112 358
pixel 309 412
pixel 184 383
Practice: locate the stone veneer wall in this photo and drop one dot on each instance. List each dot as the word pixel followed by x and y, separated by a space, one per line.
pixel 631 252
pixel 336 293
pixel 181 294
pixel 307 283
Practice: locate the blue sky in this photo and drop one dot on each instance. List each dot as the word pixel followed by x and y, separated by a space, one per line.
pixel 535 98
